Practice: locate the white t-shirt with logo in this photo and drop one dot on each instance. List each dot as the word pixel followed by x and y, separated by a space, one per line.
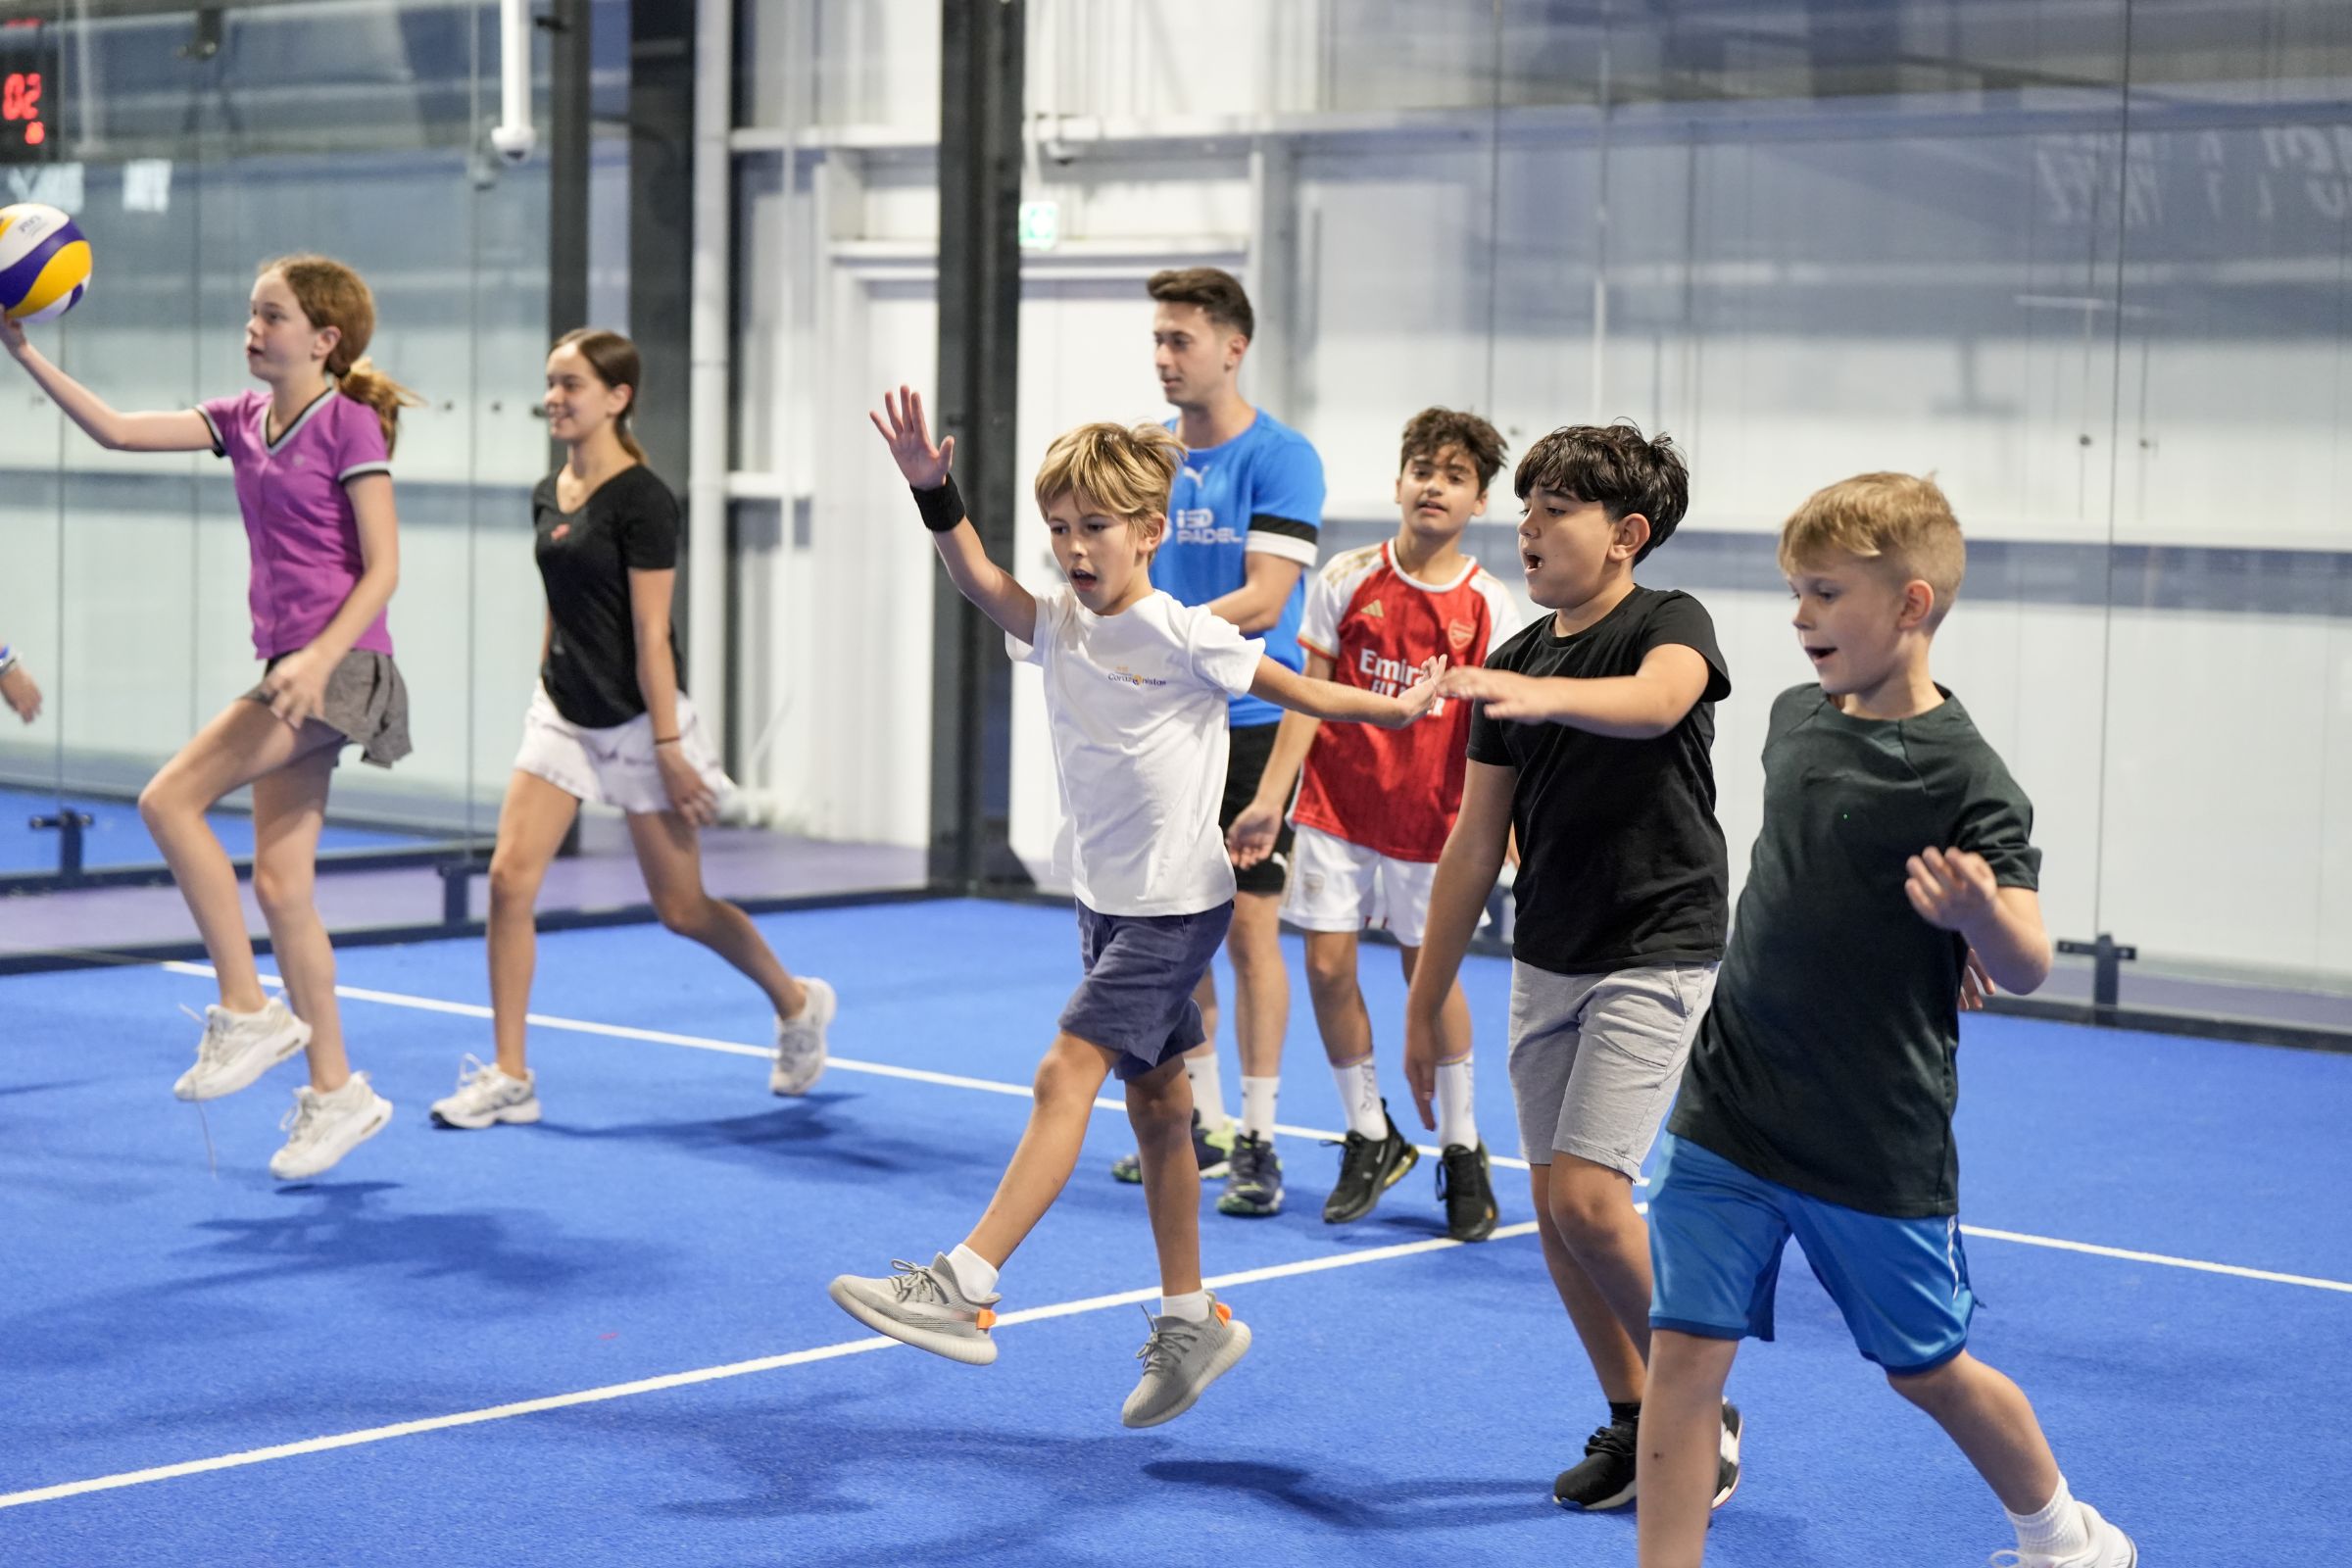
pixel 1136 703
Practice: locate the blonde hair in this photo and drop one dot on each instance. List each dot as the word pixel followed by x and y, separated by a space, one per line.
pixel 1117 470
pixel 331 294
pixel 615 361
pixel 1900 522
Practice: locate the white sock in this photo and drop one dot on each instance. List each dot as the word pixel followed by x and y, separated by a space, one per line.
pixel 1209 1090
pixel 975 1276
pixel 1359 1097
pixel 1192 1307
pixel 1457 1118
pixel 2058 1530
pixel 1258 1106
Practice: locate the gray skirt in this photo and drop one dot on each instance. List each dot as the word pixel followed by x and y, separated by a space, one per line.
pixel 367 701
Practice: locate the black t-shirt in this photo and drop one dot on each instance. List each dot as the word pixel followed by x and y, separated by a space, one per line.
pixel 585 556
pixel 1828 1060
pixel 1621 862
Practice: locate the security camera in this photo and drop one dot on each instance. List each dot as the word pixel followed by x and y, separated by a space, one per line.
pixel 513 142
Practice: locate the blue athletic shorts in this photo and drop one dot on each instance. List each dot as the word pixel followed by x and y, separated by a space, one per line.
pixel 1137 997
pixel 1716 1235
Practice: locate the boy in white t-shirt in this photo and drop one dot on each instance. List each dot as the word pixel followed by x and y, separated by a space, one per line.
pixel 1137 687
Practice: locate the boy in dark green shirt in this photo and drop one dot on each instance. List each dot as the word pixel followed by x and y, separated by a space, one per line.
pixel 1896 852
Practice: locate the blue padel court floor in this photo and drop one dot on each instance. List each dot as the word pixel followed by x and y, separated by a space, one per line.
pixel 605 1339
pixel 117 837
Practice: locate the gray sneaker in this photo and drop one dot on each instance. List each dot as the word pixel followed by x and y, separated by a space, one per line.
pixel 801 1041
pixel 922 1307
pixel 1181 1359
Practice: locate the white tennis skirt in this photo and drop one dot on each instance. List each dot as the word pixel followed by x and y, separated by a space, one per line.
pixel 612 766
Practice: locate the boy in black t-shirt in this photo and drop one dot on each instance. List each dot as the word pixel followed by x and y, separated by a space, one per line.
pixel 1592 740
pixel 1895 852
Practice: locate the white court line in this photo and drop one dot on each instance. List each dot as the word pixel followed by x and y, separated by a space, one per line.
pixel 954 1081
pixel 708 1374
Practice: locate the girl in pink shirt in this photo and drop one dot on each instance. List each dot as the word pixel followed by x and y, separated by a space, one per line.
pixel 312 450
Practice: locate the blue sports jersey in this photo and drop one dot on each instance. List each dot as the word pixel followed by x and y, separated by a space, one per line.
pixel 1261 490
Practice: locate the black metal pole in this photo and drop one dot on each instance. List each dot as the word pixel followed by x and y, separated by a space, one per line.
pixel 979 385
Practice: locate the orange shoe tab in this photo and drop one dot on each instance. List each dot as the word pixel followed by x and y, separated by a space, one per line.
pixel 987 1320
pixel 1224 1313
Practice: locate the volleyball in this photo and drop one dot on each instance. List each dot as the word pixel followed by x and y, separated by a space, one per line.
pixel 44 263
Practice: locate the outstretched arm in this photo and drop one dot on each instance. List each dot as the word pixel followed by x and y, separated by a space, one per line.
pixel 1640 707
pixel 1000 596
pixel 1253 833
pixel 1326 700
pixel 179 431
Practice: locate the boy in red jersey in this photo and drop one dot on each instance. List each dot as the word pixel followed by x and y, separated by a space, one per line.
pixel 1375 809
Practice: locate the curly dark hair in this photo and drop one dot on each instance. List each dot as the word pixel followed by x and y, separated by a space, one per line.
pixel 1433 430
pixel 1616 466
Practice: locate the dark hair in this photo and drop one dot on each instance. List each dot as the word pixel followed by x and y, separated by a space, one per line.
pixel 1615 465
pixel 615 361
pixel 1214 290
pixel 1433 430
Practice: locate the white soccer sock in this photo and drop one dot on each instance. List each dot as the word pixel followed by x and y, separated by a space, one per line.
pixel 975 1275
pixel 2057 1530
pixel 1192 1307
pixel 1359 1097
pixel 1209 1090
pixel 1258 1106
pixel 1457 1117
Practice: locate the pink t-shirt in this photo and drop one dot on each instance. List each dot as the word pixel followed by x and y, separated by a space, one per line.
pixel 297 517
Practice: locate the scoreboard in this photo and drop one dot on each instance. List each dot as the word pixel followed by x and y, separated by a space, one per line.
pixel 31 99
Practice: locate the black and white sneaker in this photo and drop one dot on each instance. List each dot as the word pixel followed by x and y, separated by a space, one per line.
pixel 1604 1478
pixel 1368 1167
pixel 1252 1180
pixel 1467 1191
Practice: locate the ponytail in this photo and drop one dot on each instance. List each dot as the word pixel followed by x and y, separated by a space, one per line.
pixel 615 362
pixel 364 383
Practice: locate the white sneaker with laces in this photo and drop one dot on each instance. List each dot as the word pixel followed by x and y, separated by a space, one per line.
pixel 801 1041
pixel 487 1096
pixel 322 1129
pixel 2109 1548
pixel 239 1047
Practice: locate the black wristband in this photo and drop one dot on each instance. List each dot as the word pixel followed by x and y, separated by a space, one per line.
pixel 942 507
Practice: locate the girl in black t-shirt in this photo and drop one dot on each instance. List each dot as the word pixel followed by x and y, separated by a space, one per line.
pixel 609 724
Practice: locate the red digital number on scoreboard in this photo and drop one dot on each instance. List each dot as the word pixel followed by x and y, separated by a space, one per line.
pixel 21 107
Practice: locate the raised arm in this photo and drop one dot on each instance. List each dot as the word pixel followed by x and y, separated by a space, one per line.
pixel 1640 707
pixel 1329 701
pixel 997 592
pixel 179 431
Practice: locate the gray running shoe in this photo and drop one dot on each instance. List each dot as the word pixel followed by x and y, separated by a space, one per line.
pixel 1181 1359
pixel 922 1307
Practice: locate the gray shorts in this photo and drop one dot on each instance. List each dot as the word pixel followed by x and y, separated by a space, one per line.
pixel 1595 1059
pixel 367 701
pixel 1137 997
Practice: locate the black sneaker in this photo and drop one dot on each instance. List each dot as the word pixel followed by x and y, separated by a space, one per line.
pixel 1368 1167
pixel 1253 1184
pixel 1604 1477
pixel 1466 1191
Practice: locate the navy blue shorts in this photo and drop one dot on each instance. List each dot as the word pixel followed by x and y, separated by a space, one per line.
pixel 1137 997
pixel 1716 1235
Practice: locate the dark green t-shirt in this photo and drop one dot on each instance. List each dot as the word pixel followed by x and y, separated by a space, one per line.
pixel 1827 1060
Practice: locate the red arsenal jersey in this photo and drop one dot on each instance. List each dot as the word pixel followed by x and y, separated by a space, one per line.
pixel 1394 790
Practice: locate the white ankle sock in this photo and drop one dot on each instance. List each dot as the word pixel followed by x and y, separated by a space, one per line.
pixel 1192 1307
pixel 2057 1530
pixel 1458 1119
pixel 975 1276
pixel 1359 1097
pixel 1258 1106
pixel 1209 1090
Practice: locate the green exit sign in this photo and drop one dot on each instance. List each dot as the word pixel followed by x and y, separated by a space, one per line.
pixel 1041 225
